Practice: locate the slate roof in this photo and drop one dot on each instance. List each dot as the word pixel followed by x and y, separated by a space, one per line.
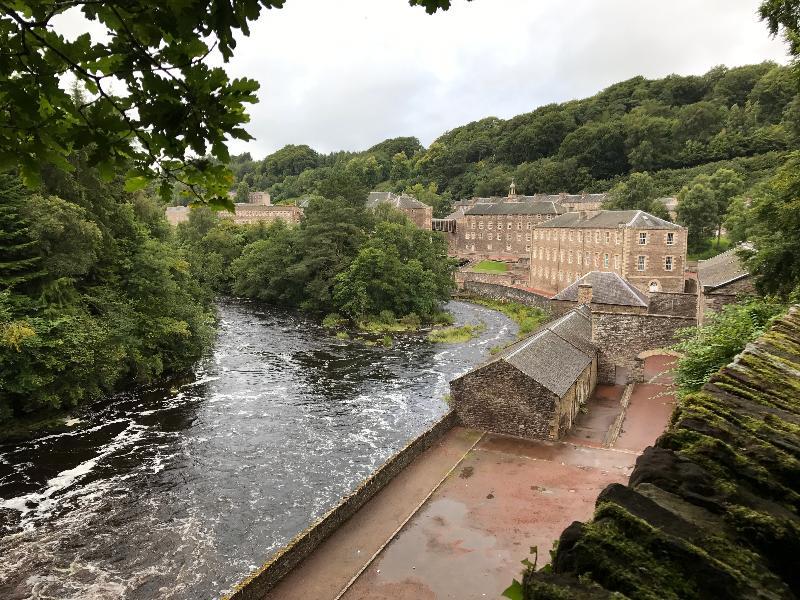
pixel 516 208
pixel 401 201
pixel 720 270
pixel 610 219
pixel 607 288
pixel 556 354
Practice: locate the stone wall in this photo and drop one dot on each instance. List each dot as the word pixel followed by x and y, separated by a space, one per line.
pixel 710 511
pixel 672 303
pixel 304 543
pixel 500 292
pixel 504 279
pixel 622 337
pixel 500 399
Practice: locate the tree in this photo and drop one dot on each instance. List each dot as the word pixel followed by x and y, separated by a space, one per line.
pixel 775 231
pixel 726 184
pixel 20 262
pixel 242 193
pixel 155 106
pixel 697 210
pixel 428 195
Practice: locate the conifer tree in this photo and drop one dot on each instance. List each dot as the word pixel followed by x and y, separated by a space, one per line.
pixel 19 258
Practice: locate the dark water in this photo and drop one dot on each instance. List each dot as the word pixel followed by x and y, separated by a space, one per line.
pixel 179 493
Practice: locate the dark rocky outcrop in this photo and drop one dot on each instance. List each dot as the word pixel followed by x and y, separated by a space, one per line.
pixel 712 510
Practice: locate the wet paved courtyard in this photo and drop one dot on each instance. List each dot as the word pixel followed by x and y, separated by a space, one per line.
pixel 500 497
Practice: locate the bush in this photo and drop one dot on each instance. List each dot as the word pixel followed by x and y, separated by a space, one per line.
pixel 333 320
pixel 708 348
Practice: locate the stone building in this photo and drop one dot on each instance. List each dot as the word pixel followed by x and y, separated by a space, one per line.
pixel 262 198
pixel 417 212
pixel 502 230
pixel 647 251
pixel 244 213
pixel 254 213
pixel 720 280
pixel 533 388
pixel 463 226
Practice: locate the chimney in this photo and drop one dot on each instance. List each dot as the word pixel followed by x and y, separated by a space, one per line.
pixel 582 215
pixel 584 293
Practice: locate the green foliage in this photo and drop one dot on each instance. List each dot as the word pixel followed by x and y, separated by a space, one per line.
pixel 707 348
pixel 527 317
pixel 455 335
pixel 400 268
pixel 111 302
pixel 773 226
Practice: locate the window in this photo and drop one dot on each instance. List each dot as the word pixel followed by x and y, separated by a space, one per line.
pixel 560 276
pixel 508 236
pixel 548 236
pixel 509 225
pixel 618 237
pixel 519 225
pixel 491 225
pixel 561 256
pixel 541 253
pixel 569 257
pixel 580 236
pixel 578 255
pixel 596 259
pixel 480 225
pixel 508 247
pixel 547 253
pixel 480 235
pixel 640 262
pixel 642 238
pixel 488 246
pixel 596 237
pixel 528 226
pixel 570 235
pixel 586 258
pixel 472 225
pixel 528 248
pixel 605 260
pixel 527 237
pixel 519 237
pixel 563 235
pixel 547 272
pixel 653 286
pixel 608 237
pixel 616 262
pixel 668 263
pixel 670 238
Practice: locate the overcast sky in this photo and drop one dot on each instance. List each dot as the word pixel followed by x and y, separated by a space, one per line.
pixel 346 74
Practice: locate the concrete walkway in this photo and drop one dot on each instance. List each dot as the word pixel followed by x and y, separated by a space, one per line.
pixel 340 558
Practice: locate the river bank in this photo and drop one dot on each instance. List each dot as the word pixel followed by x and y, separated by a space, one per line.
pixel 179 493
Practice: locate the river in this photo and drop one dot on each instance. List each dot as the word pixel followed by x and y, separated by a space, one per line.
pixel 179 492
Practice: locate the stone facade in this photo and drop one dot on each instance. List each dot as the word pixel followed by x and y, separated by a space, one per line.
pixel 721 280
pixel 501 231
pixel 254 213
pixel 261 198
pixel 647 251
pixel 672 303
pixel 534 388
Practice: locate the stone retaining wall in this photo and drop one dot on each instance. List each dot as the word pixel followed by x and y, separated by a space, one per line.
pixel 620 338
pixel 501 292
pixel 303 544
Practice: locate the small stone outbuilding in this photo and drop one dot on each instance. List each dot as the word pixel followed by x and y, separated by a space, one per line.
pixel 720 280
pixel 604 290
pixel 535 387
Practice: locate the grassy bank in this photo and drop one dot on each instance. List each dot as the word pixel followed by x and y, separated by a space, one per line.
pixel 527 317
pixel 490 266
pixel 455 335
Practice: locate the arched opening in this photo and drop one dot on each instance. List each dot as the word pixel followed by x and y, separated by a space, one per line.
pixel 656 365
pixel 654 286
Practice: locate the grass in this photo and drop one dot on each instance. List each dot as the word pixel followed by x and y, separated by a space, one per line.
pixel 527 317
pixel 490 266
pixel 711 250
pixel 455 335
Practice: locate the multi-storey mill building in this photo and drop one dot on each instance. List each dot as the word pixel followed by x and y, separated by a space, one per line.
pixel 647 251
